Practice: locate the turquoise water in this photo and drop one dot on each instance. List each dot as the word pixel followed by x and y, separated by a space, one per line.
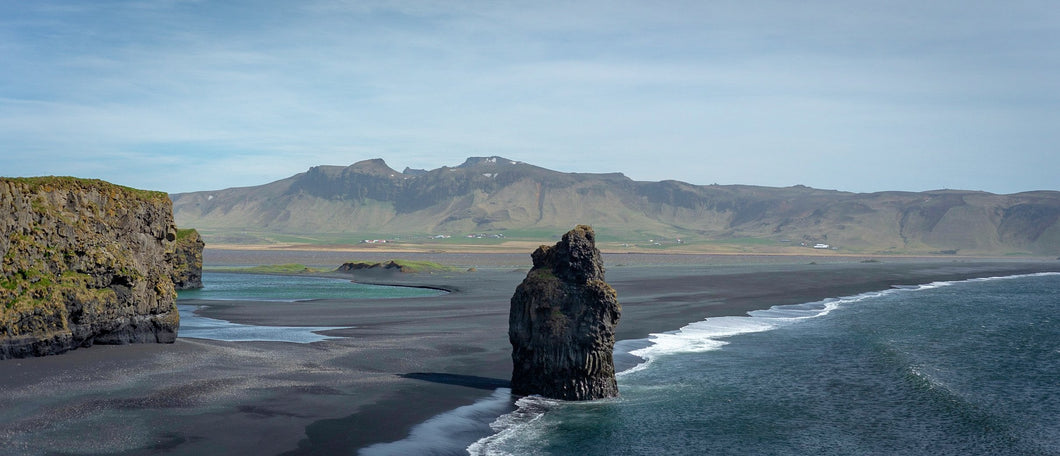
pixel 950 368
pixel 195 326
pixel 260 287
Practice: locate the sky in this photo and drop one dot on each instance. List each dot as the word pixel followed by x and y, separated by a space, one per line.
pixel 185 95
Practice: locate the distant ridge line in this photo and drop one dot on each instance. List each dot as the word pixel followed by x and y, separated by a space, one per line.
pixel 495 194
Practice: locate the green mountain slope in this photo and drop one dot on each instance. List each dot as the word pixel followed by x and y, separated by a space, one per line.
pixel 493 194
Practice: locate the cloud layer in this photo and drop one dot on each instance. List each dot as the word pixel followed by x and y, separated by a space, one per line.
pixel 196 95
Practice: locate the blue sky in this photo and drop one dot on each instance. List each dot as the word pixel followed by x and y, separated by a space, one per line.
pixel 181 96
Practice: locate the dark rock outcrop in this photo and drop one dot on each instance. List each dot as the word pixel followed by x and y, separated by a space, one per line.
pixel 562 323
pixel 186 259
pixel 392 267
pixel 364 266
pixel 83 262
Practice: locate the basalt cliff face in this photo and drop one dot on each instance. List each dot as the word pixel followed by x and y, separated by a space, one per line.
pixel 84 262
pixel 562 323
pixel 186 259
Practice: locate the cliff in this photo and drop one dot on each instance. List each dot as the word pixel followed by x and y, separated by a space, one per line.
pixel 186 259
pixel 83 262
pixel 562 323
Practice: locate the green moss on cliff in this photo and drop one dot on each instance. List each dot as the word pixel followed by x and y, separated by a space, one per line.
pixel 50 183
pixel 81 258
pixel 185 254
pixel 559 322
pixel 542 274
pixel 186 234
pixel 40 302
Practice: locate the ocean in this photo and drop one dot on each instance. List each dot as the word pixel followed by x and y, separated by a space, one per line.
pixel 948 368
pixel 963 368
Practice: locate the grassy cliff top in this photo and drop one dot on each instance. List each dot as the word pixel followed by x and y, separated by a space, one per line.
pixel 49 183
pixel 185 233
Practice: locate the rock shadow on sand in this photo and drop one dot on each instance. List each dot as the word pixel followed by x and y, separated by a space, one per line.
pixel 470 381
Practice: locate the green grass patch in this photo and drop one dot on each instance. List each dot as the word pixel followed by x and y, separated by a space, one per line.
pixel 183 234
pixel 421 266
pixel 462 240
pixel 543 274
pixel 744 241
pixel 282 238
pixel 533 233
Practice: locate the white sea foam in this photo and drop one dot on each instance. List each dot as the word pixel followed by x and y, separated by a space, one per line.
pixel 511 426
pixel 707 335
pixel 450 431
pixel 699 336
pixel 933 285
pixel 929 286
pixel 1036 274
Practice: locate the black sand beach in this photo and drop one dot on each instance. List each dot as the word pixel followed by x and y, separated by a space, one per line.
pixel 398 363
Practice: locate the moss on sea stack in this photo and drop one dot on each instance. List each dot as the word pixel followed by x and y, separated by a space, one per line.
pixel 83 261
pixel 186 259
pixel 562 323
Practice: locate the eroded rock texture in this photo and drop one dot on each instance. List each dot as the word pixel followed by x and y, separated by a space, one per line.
pixel 186 259
pixel 83 262
pixel 562 323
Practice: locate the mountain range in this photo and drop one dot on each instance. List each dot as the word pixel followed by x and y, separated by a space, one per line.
pixel 497 195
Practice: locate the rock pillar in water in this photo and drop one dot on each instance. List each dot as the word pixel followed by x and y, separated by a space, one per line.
pixel 562 323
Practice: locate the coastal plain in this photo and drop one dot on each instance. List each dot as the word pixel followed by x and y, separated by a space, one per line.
pixel 396 362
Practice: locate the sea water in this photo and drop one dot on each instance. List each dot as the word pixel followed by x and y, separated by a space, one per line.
pixel 222 286
pixel 948 368
pixel 261 287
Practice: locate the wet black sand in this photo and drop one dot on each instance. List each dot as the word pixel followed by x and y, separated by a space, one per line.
pixel 401 362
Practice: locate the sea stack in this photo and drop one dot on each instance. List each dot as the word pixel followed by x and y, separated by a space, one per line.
pixel 186 259
pixel 84 262
pixel 562 323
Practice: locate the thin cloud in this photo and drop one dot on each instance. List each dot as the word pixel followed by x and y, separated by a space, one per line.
pixel 827 94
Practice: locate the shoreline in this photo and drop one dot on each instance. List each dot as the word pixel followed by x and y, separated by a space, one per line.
pixel 400 361
pixel 224 258
pixel 525 247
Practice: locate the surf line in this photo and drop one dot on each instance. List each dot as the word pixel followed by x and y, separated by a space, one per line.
pixel 707 334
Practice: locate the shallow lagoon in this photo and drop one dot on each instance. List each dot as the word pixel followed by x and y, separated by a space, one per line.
pixel 260 287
